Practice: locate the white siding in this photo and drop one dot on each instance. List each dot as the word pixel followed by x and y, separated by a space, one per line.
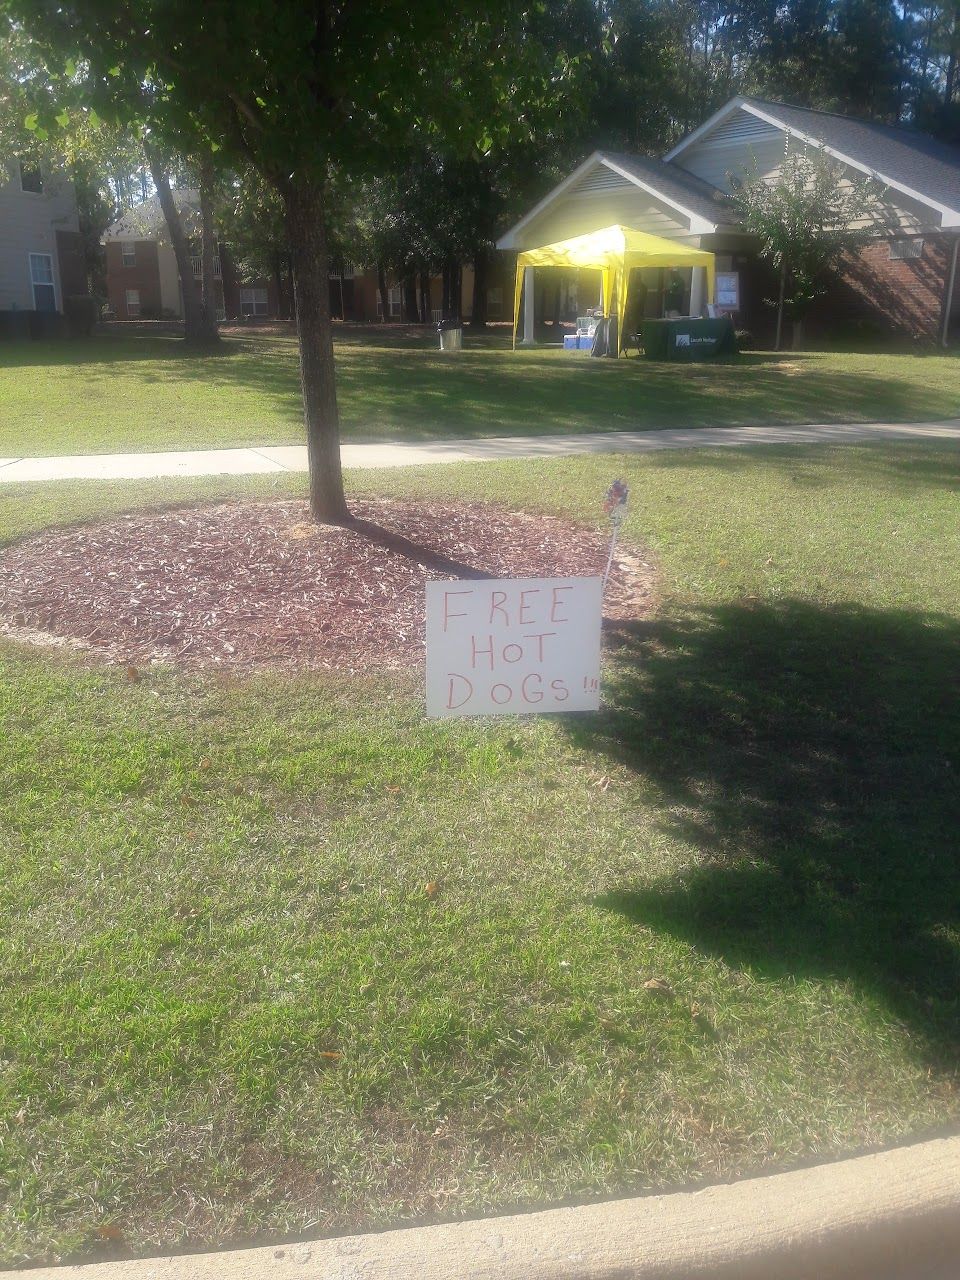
pixel 170 296
pixel 28 224
pixel 731 147
pixel 577 213
pixel 736 144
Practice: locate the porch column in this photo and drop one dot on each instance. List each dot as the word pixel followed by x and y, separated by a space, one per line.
pixel 698 286
pixel 528 304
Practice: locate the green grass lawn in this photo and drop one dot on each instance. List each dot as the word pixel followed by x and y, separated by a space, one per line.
pixel 229 1009
pixel 115 394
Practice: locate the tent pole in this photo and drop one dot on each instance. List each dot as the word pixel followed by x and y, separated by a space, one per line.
pixel 529 315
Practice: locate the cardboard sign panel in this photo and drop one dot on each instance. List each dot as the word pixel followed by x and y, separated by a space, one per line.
pixel 515 646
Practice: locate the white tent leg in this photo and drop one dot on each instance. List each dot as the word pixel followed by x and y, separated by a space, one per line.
pixel 528 304
pixel 698 285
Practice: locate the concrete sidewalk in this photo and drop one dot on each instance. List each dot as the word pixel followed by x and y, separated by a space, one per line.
pixel 890 1216
pixel 293 458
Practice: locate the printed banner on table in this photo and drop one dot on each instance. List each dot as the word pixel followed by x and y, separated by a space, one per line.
pixel 519 646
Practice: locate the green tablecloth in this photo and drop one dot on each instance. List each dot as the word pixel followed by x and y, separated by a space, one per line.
pixel 690 339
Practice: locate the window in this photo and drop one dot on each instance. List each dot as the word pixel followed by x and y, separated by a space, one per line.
pixel 494 302
pixel 196 263
pixel 129 254
pixel 253 302
pixel 394 301
pixel 41 277
pixel 903 249
pixel 31 179
pixel 133 303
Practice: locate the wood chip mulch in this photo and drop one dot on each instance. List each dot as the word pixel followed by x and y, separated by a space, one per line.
pixel 246 585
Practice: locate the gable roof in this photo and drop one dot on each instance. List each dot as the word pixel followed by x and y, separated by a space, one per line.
pixel 697 201
pixel 689 191
pixel 905 159
pixel 146 221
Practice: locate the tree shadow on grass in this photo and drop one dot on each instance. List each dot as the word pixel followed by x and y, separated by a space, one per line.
pixel 410 388
pixel 812 755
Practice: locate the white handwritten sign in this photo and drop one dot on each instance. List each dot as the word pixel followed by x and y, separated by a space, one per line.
pixel 519 646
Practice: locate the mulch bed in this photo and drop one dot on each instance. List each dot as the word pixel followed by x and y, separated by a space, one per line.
pixel 245 585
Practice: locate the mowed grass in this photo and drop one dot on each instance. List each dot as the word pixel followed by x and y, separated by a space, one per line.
pixel 230 1009
pixel 116 394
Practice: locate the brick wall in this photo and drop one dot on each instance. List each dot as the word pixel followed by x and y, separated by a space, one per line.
pixel 901 296
pixel 144 275
pixel 906 294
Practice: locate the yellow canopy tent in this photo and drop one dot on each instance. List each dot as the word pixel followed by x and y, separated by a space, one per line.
pixel 614 252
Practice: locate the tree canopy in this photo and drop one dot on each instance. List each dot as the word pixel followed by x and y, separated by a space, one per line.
pixel 806 220
pixel 421 130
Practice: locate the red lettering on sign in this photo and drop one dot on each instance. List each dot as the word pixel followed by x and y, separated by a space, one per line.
pixel 560 691
pixel 517 649
pixel 501 702
pixel 528 693
pixel 497 599
pixel 447 615
pixel 475 652
pixel 451 705
pixel 556 603
pixel 544 635
pixel 532 591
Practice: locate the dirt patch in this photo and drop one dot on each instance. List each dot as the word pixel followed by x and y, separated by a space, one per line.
pixel 259 584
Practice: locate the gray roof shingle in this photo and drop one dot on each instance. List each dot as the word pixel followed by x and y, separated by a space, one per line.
pixel 906 156
pixel 692 193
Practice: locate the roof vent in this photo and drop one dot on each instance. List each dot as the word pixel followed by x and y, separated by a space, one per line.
pixel 741 126
pixel 601 178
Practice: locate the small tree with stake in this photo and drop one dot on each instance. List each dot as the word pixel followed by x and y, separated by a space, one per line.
pixel 807 218
pixel 292 88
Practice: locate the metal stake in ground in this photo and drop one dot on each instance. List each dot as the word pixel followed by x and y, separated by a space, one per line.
pixel 615 508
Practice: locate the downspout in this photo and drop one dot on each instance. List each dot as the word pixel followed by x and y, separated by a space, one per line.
pixel 948 296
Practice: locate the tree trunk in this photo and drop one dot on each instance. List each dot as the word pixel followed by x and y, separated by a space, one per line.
pixel 291 292
pixel 382 289
pixel 211 335
pixel 425 307
pixel 304 211
pixel 278 285
pixel 446 291
pixel 193 327
pixel 458 294
pixel 783 286
pixel 411 312
pixel 797 339
pixel 951 66
pixel 478 310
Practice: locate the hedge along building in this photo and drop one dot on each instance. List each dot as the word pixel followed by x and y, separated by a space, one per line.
pixel 904 279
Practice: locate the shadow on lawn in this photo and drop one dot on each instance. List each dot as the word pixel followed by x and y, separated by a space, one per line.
pixel 812 755
pixel 405 385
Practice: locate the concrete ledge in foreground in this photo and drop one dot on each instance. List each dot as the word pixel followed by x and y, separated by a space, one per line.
pixel 890 1216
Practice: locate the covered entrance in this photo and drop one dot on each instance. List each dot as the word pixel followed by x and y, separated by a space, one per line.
pixel 615 252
